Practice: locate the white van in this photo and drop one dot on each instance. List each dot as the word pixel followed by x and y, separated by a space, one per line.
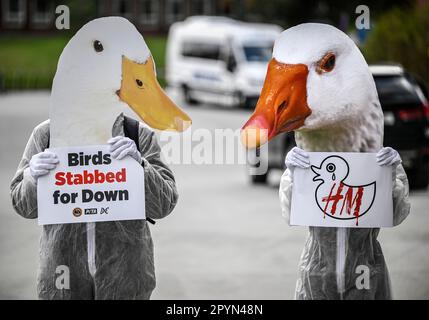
pixel 218 59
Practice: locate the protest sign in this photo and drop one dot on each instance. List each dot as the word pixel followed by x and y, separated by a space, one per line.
pixel 342 190
pixel 89 185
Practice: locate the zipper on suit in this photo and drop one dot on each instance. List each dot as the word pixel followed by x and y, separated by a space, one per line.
pixel 90 240
pixel 341 260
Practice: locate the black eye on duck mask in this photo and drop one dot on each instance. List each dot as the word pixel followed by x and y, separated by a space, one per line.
pixel 98 46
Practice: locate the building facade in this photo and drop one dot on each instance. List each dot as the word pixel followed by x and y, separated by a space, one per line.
pixel 149 15
pixel 26 15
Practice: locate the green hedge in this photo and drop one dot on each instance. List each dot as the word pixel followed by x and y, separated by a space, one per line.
pixel 30 62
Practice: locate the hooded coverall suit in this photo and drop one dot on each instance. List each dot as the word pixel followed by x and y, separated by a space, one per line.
pixel 119 264
pixel 334 258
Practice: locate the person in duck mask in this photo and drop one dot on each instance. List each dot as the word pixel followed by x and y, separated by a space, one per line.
pixel 103 70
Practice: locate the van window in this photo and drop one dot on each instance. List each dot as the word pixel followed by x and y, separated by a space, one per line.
pixel 258 53
pixel 201 50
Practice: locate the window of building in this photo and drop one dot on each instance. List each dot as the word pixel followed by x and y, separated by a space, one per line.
pixel 14 12
pixel 42 5
pixel 42 12
pixel 224 8
pixel 174 11
pixel 200 7
pixel 124 8
pixel 149 12
pixel 211 51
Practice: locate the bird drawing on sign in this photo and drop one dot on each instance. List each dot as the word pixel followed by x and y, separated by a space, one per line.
pixel 336 197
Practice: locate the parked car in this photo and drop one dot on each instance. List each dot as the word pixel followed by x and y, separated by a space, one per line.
pixel 404 100
pixel 219 60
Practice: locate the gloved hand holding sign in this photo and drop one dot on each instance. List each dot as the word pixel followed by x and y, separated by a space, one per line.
pixel 297 157
pixel 388 157
pixel 122 146
pixel 41 163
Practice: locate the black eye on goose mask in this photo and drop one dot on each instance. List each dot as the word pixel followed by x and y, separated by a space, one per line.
pixel 326 64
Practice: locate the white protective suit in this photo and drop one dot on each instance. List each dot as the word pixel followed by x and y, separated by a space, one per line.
pixel 124 262
pixel 330 261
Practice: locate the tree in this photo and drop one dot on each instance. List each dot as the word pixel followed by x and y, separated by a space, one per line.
pixel 292 12
pixel 401 36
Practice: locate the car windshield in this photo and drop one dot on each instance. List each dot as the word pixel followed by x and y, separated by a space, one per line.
pixel 258 53
pixel 396 90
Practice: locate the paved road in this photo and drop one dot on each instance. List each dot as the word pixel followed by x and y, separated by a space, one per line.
pixel 225 239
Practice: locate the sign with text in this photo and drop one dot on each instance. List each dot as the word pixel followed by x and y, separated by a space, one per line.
pixel 342 190
pixel 88 185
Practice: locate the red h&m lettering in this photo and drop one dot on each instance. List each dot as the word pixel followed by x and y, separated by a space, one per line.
pixel 335 197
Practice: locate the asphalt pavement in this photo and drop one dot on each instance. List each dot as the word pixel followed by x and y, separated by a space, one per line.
pixel 226 238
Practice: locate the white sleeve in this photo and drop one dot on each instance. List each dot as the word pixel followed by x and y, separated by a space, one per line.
pixel 285 193
pixel 400 192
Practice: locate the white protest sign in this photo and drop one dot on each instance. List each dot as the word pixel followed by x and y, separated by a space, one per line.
pixel 342 190
pixel 88 185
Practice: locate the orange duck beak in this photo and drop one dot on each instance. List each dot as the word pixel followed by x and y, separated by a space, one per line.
pixel 282 105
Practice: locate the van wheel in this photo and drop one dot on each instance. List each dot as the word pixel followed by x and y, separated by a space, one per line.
pixel 259 179
pixel 187 95
pixel 240 100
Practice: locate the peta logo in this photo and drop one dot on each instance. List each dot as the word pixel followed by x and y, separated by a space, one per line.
pixel 91 211
pixel 335 197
